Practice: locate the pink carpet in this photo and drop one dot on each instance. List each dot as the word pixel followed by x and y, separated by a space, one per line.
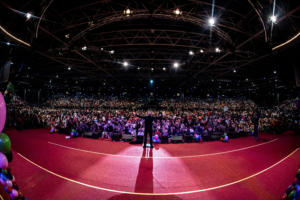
pixel 51 167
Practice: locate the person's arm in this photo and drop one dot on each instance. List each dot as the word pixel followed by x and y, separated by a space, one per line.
pixel 140 116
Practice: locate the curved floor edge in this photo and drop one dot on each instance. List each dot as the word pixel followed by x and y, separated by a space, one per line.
pixel 158 194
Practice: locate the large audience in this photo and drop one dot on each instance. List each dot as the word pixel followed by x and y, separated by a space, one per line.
pixel 108 116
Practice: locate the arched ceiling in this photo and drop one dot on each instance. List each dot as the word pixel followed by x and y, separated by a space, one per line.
pixel 150 39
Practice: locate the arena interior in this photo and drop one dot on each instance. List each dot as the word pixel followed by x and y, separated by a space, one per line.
pixel 149 100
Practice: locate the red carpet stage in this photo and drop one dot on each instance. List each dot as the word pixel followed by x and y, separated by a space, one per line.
pixel 51 167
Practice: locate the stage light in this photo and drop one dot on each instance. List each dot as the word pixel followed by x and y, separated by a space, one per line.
pixel 138 68
pixel 211 21
pixel 275 72
pixel 28 15
pixel 234 71
pixel 176 65
pixel 273 18
pixel 7 43
pixel 218 50
pixel 201 51
pixel 125 64
pixel 56 76
pixel 111 51
pixel 69 68
pixel 101 49
pixel 152 69
pixel 247 79
pixel 191 53
pixel 164 68
pixel 177 11
pixel 151 81
pixel 84 48
pixel 127 12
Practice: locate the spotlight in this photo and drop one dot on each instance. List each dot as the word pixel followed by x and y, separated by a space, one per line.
pixel 127 12
pixel 101 49
pixel 125 64
pixel 56 76
pixel 176 65
pixel 247 79
pixel 218 50
pixel 7 43
pixel 67 36
pixel 191 53
pixel 234 71
pixel 177 11
pixel 275 72
pixel 69 68
pixel 151 81
pixel 152 69
pixel 201 51
pixel 28 15
pixel 211 21
pixel 138 68
pixel 111 51
pixel 84 48
pixel 273 18
pixel 164 68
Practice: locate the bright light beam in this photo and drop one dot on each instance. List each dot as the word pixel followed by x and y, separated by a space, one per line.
pixel 286 42
pixel 14 37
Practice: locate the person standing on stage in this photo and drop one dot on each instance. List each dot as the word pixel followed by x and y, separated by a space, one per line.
pixel 148 127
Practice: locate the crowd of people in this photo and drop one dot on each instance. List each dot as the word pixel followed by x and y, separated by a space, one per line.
pixel 180 117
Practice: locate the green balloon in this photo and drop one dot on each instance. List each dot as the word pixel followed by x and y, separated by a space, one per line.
pixel 291 195
pixel 10 87
pixel 4 143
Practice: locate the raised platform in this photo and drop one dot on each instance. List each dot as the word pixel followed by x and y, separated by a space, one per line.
pixel 51 167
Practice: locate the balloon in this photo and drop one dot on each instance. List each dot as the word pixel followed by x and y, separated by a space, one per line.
pixel 4 143
pixel 14 193
pixel 2 112
pixel 3 161
pixel 9 156
pixel 10 88
pixel 8 189
pixel 8 183
pixel 3 177
pixel 2 181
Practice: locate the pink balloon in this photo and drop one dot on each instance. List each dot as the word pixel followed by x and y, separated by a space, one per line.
pixel 3 161
pixel 2 112
pixel 14 193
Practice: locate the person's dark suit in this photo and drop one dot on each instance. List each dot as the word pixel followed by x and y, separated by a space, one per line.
pixel 148 128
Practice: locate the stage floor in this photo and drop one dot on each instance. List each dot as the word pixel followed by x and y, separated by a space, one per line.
pixel 48 166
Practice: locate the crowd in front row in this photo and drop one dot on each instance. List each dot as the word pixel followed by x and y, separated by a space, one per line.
pixel 187 117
